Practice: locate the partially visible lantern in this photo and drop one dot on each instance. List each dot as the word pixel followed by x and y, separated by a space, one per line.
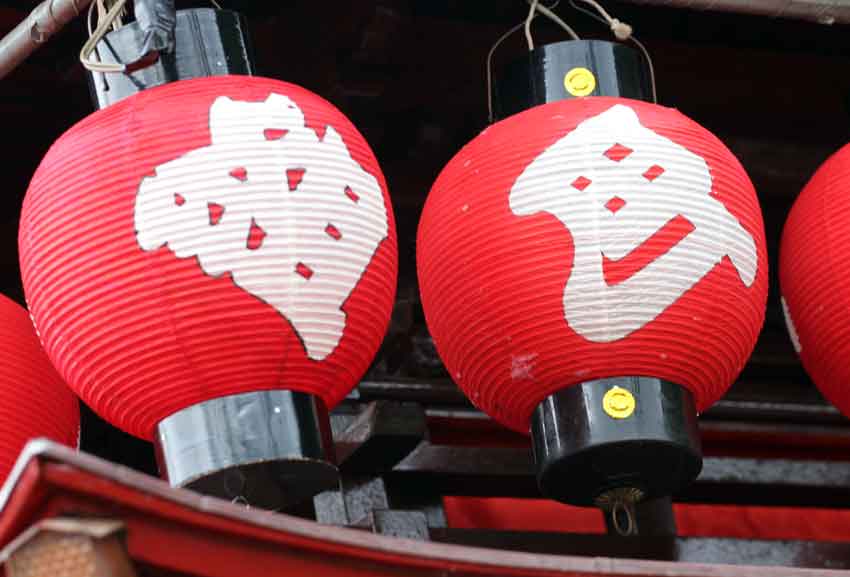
pixel 212 265
pixel 814 270
pixel 593 270
pixel 34 402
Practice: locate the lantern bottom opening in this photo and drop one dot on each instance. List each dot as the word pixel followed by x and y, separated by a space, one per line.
pixel 268 449
pixel 637 434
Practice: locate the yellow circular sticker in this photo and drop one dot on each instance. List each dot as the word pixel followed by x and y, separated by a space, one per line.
pixel 580 81
pixel 619 403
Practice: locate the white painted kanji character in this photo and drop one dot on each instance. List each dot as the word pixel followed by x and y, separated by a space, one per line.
pixel 623 191
pixel 285 210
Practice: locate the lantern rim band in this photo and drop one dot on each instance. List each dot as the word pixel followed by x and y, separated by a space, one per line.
pixel 268 449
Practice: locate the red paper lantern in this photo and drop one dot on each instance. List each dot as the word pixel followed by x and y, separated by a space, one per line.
pixel 208 238
pixel 591 238
pixel 813 272
pixel 34 402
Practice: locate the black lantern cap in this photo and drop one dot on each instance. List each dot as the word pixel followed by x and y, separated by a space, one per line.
pixel 571 69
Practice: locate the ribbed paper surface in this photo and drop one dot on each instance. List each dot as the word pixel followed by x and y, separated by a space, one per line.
pixel 207 238
pixel 591 238
pixel 814 275
pixel 34 402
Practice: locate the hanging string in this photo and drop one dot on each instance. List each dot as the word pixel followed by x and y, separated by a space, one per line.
pixel 557 19
pixel 88 17
pixel 106 19
pixel 489 68
pixel 648 59
pixel 547 11
pixel 540 9
pixel 622 31
pixel 103 7
pixel 532 11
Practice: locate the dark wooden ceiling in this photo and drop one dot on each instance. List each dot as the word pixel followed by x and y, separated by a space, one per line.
pixel 410 74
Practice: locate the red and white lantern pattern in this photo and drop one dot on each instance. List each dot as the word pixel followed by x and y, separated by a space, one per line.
pixel 34 402
pixel 814 267
pixel 242 220
pixel 591 238
pixel 206 238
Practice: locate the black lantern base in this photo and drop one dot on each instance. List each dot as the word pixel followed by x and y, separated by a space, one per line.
pixel 614 441
pixel 269 449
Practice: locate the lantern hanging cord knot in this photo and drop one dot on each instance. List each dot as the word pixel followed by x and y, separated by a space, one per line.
pixel 620 29
pixel 622 32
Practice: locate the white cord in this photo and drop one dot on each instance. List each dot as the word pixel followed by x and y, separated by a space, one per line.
pixel 547 12
pixel 532 11
pixel 623 32
pixel 620 29
pixel 599 9
pixel 103 7
pixel 534 8
pixel 646 55
pixel 489 69
pixel 91 30
pixel 103 26
pixel 88 19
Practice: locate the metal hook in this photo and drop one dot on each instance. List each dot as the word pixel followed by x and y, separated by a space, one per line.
pixel 626 509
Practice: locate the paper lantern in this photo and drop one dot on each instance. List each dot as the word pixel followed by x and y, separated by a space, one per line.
pixel 208 239
pixel 813 272
pixel 589 239
pixel 34 402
